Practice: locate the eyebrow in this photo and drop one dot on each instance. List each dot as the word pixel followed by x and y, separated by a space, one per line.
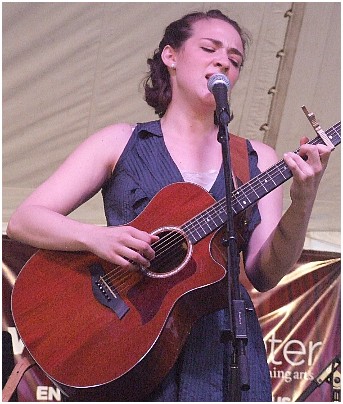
pixel 220 43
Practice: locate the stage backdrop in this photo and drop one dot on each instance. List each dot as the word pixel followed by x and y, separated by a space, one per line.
pixel 300 319
pixel 71 68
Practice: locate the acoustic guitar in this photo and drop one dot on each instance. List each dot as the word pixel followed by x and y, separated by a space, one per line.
pixel 100 332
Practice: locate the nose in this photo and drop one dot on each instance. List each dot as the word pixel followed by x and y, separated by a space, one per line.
pixel 222 62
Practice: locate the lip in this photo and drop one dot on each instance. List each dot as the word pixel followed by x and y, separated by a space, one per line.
pixel 209 75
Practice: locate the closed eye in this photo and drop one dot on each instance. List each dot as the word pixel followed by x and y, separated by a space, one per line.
pixel 235 63
pixel 210 50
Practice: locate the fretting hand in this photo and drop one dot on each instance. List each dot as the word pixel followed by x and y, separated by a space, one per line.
pixel 307 168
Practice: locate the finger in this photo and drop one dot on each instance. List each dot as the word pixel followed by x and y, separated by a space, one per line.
pixel 124 262
pixel 132 257
pixel 142 235
pixel 135 246
pixel 324 153
pixel 299 167
pixel 310 154
pixel 319 149
pixel 317 156
pixel 304 140
pixel 144 249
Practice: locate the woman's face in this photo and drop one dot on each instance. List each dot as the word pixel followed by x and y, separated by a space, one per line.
pixel 214 47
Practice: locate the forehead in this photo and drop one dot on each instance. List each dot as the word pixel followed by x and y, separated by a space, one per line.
pixel 219 30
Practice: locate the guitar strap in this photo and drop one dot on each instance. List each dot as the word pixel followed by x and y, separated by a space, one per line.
pixel 241 173
pixel 239 158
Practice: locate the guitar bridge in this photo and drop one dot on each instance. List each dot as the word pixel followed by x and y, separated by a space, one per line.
pixel 105 293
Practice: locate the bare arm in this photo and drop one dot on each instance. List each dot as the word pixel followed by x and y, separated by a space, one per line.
pixel 276 244
pixel 41 220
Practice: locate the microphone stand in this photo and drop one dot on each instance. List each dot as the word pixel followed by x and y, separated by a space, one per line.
pixel 234 333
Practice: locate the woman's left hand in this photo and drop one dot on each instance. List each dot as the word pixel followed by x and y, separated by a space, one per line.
pixel 307 167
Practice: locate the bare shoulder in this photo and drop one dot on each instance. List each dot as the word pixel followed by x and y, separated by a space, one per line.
pixel 116 135
pixel 266 154
pixel 111 140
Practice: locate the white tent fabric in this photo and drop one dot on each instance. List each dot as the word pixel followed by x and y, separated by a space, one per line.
pixel 71 68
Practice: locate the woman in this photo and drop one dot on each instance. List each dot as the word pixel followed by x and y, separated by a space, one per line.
pixel 132 163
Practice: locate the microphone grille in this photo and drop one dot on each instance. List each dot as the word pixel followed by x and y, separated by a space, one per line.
pixel 218 79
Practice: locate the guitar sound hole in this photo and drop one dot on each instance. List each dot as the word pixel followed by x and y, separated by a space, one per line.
pixel 172 252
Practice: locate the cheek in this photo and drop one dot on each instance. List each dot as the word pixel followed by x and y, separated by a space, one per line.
pixel 234 76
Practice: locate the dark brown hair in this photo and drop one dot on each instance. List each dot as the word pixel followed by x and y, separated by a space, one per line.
pixel 157 85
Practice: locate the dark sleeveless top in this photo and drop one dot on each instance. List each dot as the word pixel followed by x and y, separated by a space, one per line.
pixel 143 169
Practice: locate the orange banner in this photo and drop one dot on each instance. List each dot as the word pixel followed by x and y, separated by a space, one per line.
pixel 300 319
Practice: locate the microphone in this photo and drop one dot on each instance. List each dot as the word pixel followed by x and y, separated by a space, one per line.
pixel 218 85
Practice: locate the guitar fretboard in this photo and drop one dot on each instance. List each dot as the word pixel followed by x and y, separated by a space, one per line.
pixel 249 193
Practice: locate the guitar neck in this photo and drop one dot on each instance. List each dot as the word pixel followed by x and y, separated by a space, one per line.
pixel 249 193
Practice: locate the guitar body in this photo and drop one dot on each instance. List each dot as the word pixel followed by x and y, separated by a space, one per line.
pixel 92 352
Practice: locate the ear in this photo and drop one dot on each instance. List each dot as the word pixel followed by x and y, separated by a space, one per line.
pixel 168 56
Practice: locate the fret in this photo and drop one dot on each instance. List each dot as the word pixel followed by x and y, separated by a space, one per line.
pixel 271 179
pixel 208 222
pixel 205 223
pixel 191 237
pixel 250 190
pixel 239 194
pixel 198 228
pixel 283 172
pixel 254 190
pixel 246 195
pixel 260 189
pixel 214 216
pixel 264 180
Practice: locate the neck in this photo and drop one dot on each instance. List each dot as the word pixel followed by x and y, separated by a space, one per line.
pixel 188 123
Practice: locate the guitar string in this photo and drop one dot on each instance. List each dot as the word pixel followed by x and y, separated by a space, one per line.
pixel 245 189
pixel 246 195
pixel 172 239
pixel 178 237
pixel 196 219
pixel 171 236
pixel 199 220
pixel 166 242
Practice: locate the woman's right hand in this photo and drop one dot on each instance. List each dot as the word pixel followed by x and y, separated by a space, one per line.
pixel 125 246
